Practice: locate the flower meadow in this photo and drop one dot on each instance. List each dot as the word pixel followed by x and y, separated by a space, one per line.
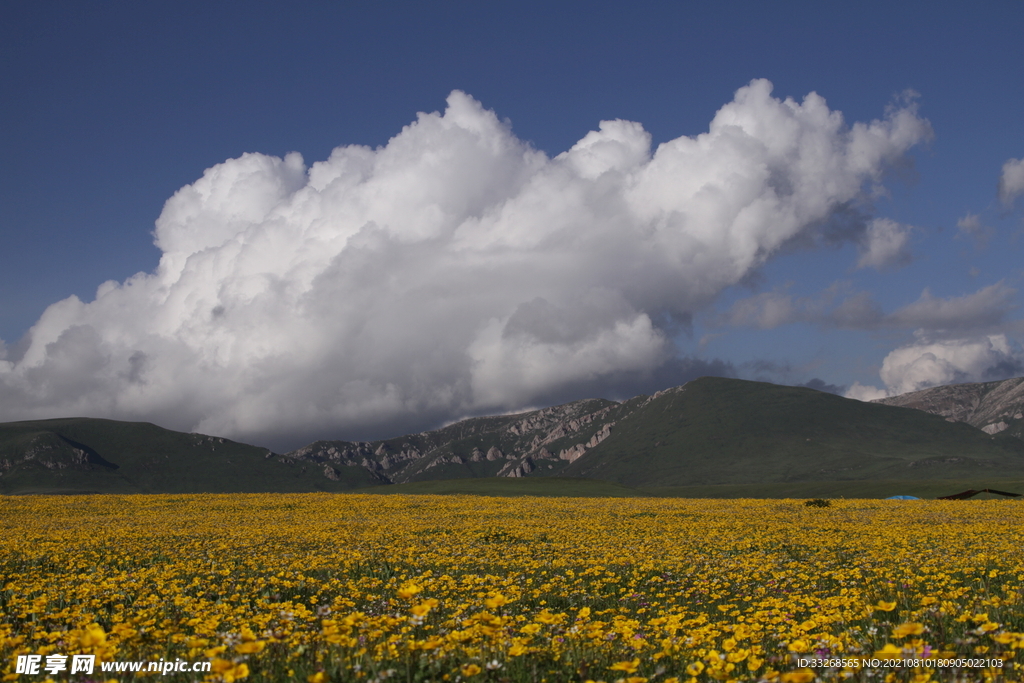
pixel 327 587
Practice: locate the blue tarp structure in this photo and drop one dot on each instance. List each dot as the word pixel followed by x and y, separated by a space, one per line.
pixel 903 498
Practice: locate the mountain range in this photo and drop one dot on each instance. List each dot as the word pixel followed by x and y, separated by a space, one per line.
pixel 710 432
pixel 992 407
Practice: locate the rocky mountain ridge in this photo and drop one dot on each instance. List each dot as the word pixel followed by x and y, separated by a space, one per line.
pixel 993 407
pixel 502 446
pixel 553 441
pixel 711 431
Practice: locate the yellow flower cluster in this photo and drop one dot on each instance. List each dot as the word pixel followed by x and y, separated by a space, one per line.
pixel 322 587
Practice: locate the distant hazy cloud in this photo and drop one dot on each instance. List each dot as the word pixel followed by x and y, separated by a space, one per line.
pixel 957 339
pixel 822 385
pixel 783 372
pixel 986 309
pixel 1011 182
pixel 863 392
pixel 767 310
pixel 857 311
pixel 453 271
pixel 926 364
pixel 885 245
pixel 971 226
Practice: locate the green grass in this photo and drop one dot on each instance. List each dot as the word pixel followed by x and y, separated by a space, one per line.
pixel 565 487
pixel 844 489
pixel 503 486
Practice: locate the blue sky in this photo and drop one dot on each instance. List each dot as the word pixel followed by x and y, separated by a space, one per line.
pixel 108 110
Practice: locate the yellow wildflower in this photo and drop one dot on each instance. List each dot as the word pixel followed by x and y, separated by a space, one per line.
pixel 422 609
pixel 798 646
pixel 496 601
pixel 908 629
pixel 250 647
pixel 799 676
pixel 409 590
pixel 628 667
pixel 93 636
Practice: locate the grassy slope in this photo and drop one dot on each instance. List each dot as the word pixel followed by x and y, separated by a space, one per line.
pixel 151 459
pixel 502 486
pixel 582 488
pixel 845 489
pixel 720 431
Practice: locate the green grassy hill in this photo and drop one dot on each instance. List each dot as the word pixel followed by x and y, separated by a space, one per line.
pixel 85 455
pixel 715 431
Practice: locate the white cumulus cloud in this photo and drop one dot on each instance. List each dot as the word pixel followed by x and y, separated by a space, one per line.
pixel 923 364
pixel 453 271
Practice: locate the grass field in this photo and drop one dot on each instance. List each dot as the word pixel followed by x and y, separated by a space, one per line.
pixel 505 486
pixel 589 488
pixel 326 587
